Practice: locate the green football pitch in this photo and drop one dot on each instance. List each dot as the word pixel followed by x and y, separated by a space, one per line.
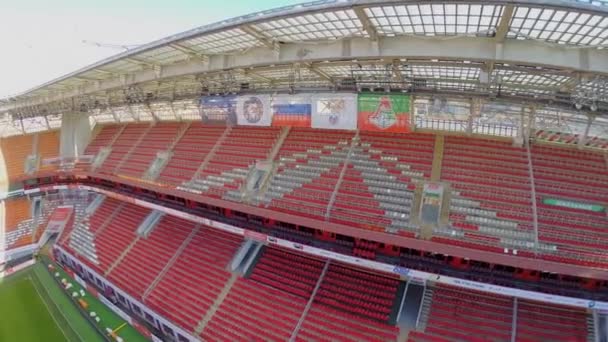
pixel 24 315
pixel 33 307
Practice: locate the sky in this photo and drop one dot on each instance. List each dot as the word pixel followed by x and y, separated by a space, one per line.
pixel 43 39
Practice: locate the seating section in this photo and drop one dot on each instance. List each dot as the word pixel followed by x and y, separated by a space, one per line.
pixel 128 139
pixel 16 210
pixel 373 187
pixel 189 153
pixel 541 321
pixel 159 138
pixel 230 162
pixel 351 305
pixel 567 174
pixel 138 269
pixel 310 163
pixel 104 138
pixel 491 205
pixel 460 315
pixel 255 312
pixel 377 189
pixel 288 272
pixel 269 304
pixel 48 147
pixel 198 275
pixel 102 237
pixel 15 151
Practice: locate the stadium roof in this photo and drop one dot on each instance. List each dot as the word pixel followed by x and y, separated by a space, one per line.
pixel 551 56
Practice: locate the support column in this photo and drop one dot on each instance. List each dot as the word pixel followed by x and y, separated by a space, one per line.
pixel 75 134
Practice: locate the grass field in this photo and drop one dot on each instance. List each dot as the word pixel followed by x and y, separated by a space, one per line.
pixel 24 315
pixel 33 307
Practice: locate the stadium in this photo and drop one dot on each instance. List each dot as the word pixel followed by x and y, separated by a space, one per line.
pixel 340 170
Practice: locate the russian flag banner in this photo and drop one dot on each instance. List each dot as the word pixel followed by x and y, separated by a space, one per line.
pixel 292 111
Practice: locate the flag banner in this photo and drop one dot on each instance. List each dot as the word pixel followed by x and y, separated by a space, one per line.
pixel 334 111
pixel 253 110
pixel 218 108
pixel 384 112
pixel 291 110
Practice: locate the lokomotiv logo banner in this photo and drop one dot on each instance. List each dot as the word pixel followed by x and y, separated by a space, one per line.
pixel 384 113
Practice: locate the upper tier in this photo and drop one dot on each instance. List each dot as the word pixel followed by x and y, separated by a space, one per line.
pixel 369 180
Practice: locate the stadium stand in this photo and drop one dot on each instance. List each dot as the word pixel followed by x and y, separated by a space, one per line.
pixel 426 189
pixel 190 152
pixel 15 150
pixel 19 225
pixel 580 235
pixel 156 139
pixel 48 147
pixel 320 174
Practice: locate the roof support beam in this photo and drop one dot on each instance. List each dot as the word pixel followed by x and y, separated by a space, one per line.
pixel 260 36
pixel 312 68
pixel 503 24
pixel 190 52
pixel 513 52
pixel 140 62
pixel 367 24
pixel 253 74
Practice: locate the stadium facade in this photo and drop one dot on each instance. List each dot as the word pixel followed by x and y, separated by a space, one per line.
pixel 337 170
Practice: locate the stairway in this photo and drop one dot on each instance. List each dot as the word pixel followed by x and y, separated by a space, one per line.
pixel 216 305
pixel 170 263
pixel 127 156
pixel 332 199
pixel 393 197
pixel 294 334
pixel 437 158
pixel 120 257
pixel 427 301
pixel 211 153
pixel 289 179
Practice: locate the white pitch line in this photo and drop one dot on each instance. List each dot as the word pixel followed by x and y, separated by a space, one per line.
pixel 49 310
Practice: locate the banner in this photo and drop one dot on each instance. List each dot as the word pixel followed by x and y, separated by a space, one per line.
pixel 253 110
pixel 291 110
pixel 218 108
pixel 334 111
pixel 384 113
pixel 574 205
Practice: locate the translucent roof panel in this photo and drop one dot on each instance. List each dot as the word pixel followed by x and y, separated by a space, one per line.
pixel 561 26
pixel 436 19
pixel 314 26
pixel 518 77
pixel 593 2
pixel 223 41
pixel 441 72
